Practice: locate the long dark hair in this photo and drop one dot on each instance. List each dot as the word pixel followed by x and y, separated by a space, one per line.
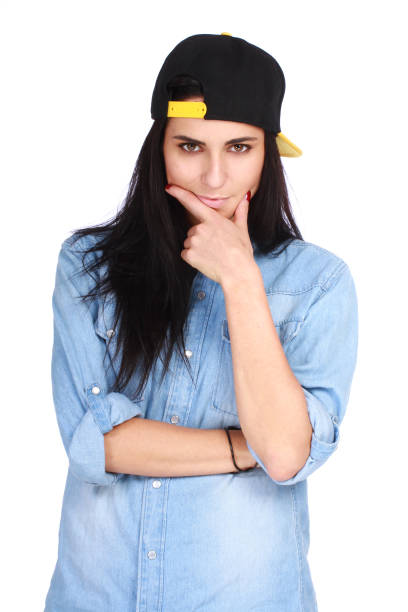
pixel 141 248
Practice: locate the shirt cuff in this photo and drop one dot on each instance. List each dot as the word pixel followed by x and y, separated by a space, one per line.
pixel 87 448
pixel 325 439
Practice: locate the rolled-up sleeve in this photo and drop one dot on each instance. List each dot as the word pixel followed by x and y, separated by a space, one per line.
pixel 323 356
pixel 85 408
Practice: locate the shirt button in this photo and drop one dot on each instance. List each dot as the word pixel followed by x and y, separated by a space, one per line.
pixel 201 295
pixel 151 554
pixel 95 390
pixel 188 354
pixel 156 484
pixel 174 418
pixel 110 332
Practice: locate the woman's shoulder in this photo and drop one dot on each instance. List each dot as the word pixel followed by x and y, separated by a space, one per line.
pixel 80 243
pixel 75 258
pixel 314 253
pixel 301 265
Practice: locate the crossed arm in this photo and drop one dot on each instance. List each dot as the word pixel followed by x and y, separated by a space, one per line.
pixel 271 406
pixel 147 447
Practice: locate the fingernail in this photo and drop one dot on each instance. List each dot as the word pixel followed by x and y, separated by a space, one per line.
pixel 248 195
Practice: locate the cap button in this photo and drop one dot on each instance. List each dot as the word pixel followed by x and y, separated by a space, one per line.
pixel 225 34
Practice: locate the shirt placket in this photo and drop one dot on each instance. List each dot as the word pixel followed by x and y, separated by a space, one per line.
pixel 156 490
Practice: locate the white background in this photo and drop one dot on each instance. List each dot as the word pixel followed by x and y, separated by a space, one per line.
pixel 77 79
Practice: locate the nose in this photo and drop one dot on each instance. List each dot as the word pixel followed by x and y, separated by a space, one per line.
pixel 214 172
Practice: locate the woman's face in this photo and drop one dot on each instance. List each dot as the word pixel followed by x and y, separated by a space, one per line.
pixel 214 168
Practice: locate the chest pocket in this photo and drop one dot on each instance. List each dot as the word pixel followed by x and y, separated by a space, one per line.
pixel 223 396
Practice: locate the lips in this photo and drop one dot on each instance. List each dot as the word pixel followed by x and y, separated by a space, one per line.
pixel 212 202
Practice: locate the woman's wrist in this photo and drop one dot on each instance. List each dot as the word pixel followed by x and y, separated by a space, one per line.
pixel 243 457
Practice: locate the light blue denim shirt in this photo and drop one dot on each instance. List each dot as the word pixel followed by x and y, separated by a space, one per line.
pixel 235 542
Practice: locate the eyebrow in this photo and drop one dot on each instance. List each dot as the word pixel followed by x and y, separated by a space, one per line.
pixel 232 141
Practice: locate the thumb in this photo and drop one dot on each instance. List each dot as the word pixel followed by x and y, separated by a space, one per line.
pixel 240 217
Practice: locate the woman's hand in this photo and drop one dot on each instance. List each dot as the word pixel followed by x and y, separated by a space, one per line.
pixel 217 247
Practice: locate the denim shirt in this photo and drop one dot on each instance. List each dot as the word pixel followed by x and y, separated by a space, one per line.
pixel 233 542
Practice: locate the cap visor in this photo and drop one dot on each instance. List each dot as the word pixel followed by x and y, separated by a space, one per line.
pixel 286 147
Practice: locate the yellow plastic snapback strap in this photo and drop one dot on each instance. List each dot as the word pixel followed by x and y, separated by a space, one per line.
pixel 186 109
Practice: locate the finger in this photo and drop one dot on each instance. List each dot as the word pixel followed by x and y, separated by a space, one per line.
pixel 190 201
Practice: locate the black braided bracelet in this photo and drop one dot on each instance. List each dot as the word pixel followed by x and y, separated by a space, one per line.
pixel 226 429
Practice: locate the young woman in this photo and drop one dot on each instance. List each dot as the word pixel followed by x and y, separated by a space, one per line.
pixel 202 360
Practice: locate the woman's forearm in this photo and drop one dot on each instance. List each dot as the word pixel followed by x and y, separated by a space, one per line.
pixel 147 447
pixel 271 404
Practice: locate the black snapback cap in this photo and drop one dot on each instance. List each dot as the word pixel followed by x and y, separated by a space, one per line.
pixel 241 82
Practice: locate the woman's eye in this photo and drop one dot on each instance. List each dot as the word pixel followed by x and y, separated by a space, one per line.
pixel 187 144
pixel 242 145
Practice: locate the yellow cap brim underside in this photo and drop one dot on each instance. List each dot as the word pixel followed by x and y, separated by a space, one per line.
pixel 197 110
